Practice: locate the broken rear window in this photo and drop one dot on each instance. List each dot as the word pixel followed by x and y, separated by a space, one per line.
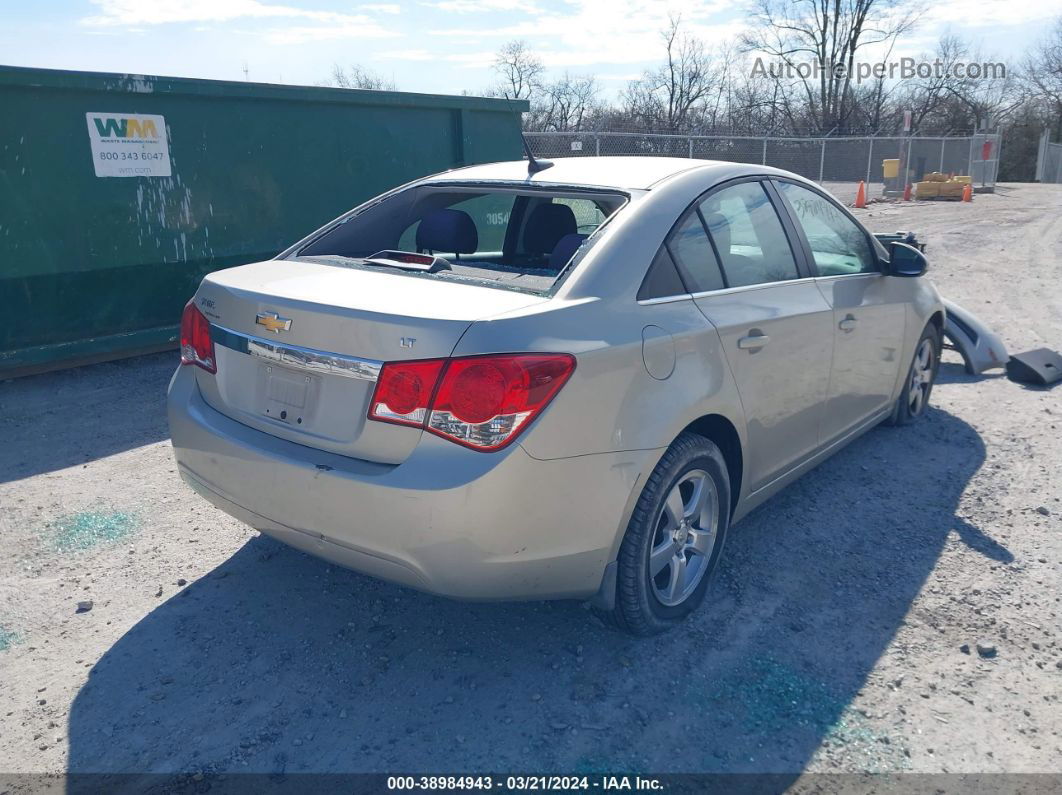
pixel 510 237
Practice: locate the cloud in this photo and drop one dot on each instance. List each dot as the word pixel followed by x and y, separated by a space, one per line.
pixel 484 6
pixel 130 13
pixel 978 13
pixel 609 31
pixel 354 28
pixel 472 60
pixel 406 55
pixel 464 60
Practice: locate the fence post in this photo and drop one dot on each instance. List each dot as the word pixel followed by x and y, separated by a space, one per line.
pixel 691 147
pixel 597 146
pixel 822 160
pixel 1041 157
pixel 942 142
pixel 870 159
pixel 999 159
pixel 984 163
pixel 969 167
pixel 764 151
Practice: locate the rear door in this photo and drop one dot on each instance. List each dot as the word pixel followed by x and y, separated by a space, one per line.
pixel 869 309
pixel 774 323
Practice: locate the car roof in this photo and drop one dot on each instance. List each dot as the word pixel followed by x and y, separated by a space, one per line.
pixel 631 173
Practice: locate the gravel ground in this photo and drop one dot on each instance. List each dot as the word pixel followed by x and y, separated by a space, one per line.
pixel 898 609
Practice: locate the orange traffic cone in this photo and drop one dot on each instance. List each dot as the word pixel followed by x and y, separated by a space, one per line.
pixel 907 193
pixel 967 192
pixel 861 196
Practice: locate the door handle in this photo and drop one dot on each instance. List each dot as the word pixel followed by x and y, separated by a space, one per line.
pixel 753 342
pixel 848 324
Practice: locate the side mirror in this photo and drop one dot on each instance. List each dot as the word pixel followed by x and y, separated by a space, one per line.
pixel 905 260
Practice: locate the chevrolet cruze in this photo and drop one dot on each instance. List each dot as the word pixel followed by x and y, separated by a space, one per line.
pixel 529 380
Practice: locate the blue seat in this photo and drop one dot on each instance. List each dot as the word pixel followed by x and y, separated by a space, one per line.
pixel 448 231
pixel 546 225
pixel 563 251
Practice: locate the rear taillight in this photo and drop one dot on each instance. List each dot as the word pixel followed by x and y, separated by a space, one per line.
pixel 482 402
pixel 404 390
pixel 196 346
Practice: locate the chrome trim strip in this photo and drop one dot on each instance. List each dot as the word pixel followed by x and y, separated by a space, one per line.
pixel 297 357
pixel 729 290
pixel 835 276
pixel 665 299
pixel 745 288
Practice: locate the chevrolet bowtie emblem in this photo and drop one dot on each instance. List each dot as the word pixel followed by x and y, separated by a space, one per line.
pixel 273 321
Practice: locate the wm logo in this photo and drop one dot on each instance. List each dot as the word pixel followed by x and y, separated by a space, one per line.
pixel 121 127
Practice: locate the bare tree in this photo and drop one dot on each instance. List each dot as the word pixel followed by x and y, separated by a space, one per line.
pixel 359 77
pixel 519 70
pixel 987 101
pixel 830 33
pixel 928 97
pixel 672 97
pixel 1043 76
pixel 741 103
pixel 565 104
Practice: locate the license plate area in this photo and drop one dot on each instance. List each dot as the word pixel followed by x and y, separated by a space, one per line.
pixel 288 396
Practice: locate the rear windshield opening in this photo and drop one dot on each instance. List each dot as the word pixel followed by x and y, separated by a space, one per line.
pixel 503 237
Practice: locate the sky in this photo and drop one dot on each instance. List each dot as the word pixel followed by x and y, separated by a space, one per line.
pixel 436 46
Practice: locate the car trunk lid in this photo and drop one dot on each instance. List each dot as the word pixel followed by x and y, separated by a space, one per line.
pixel 299 344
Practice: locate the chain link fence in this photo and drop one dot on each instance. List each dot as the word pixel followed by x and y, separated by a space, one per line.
pixel 838 162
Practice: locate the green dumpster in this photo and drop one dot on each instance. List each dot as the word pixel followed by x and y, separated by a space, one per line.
pixel 119 192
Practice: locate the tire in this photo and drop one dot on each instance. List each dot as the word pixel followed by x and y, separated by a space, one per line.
pixel 921 375
pixel 691 477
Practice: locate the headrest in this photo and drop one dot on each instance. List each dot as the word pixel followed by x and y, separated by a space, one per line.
pixel 547 225
pixel 448 230
pixel 562 252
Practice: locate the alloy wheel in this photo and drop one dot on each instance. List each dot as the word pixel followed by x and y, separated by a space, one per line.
pixel 921 378
pixel 684 539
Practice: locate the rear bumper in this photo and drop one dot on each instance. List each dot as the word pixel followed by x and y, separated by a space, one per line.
pixel 447 520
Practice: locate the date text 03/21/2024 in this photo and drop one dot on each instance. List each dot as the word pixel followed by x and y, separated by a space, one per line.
pixel 540 783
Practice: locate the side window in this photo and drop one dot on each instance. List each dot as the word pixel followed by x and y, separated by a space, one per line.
pixel 748 235
pixel 588 215
pixel 838 245
pixel 693 255
pixel 407 242
pixel 662 280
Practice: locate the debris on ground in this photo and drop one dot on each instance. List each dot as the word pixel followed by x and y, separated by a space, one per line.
pixel 86 529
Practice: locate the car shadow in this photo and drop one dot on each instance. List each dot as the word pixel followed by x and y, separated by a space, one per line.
pixel 69 417
pixel 955 373
pixel 277 663
pixel 951 372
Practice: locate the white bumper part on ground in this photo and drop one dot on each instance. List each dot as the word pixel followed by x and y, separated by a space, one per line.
pixel 980 348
